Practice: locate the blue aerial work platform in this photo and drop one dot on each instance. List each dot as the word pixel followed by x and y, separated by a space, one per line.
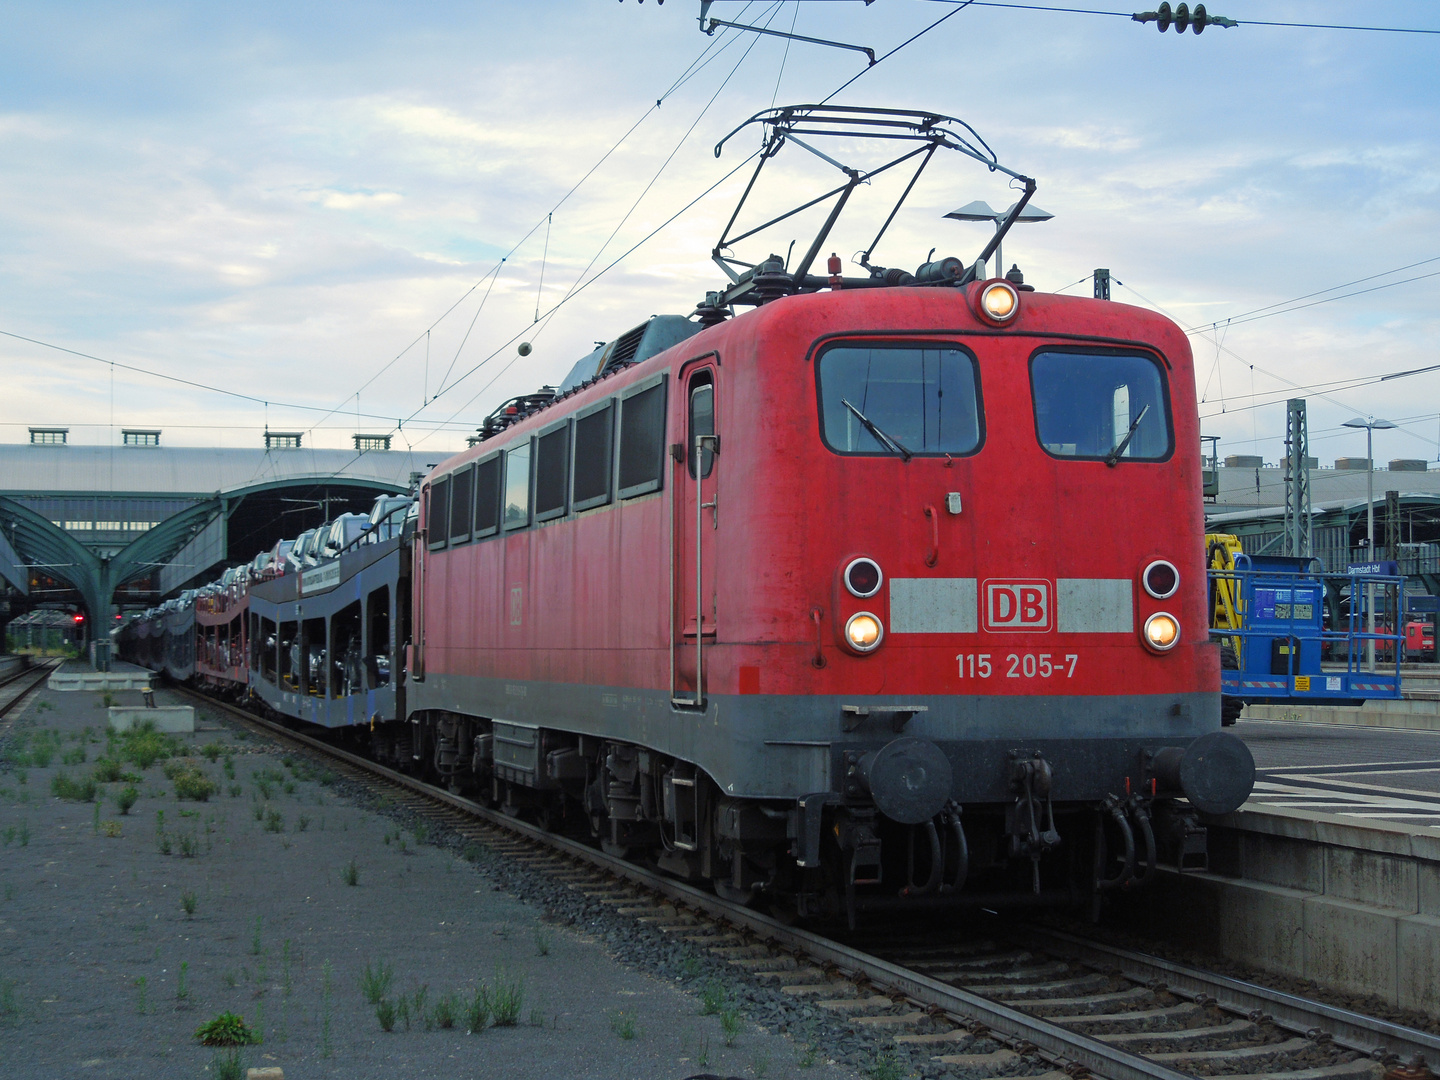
pixel 1269 613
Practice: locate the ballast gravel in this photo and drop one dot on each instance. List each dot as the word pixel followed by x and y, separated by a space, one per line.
pixel 120 934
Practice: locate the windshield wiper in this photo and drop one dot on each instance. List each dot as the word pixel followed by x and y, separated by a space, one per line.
pixel 1114 455
pixel 880 436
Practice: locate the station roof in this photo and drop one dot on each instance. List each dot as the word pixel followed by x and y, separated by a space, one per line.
pixel 1250 489
pixel 182 471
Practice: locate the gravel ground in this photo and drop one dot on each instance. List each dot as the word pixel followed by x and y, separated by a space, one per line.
pixel 113 952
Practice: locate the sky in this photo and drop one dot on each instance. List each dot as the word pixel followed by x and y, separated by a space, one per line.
pixel 340 218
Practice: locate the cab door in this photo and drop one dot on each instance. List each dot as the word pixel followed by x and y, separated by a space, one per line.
pixel 697 523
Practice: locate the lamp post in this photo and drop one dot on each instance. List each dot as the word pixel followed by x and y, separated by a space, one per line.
pixel 1369 423
pixel 979 210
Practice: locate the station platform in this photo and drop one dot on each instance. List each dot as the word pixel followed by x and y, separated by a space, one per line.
pixel 12 665
pixel 1357 772
pixel 79 675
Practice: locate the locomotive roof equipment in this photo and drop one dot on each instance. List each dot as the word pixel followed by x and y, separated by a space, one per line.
pixel 770 278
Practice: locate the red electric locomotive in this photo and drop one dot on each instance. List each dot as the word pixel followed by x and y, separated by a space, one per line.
pixel 804 602
pixel 807 601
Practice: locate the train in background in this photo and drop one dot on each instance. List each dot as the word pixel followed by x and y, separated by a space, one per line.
pixel 793 601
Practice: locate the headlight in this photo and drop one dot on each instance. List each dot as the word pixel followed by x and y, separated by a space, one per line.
pixel 1161 579
pixel 863 577
pixel 999 301
pixel 1161 632
pixel 863 632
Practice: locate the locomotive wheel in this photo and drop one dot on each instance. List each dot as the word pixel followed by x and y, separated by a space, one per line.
pixel 726 891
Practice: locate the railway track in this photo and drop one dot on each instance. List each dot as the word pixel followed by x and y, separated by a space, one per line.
pixel 18 687
pixel 1021 1001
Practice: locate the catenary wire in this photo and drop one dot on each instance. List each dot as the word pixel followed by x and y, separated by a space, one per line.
pixel 1240 22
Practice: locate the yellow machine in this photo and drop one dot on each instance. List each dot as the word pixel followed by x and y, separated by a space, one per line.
pixel 1225 607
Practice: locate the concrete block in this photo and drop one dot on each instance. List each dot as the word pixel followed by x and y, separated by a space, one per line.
pixel 1376 878
pixel 1263 925
pixel 1429 888
pixel 270 1072
pixel 1418 963
pixel 165 717
pixel 1351 947
pixel 1277 860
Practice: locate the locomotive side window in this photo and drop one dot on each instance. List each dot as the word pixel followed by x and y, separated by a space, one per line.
pixel 1110 406
pixel 462 488
pixel 552 466
pixel 517 487
pixel 594 462
pixel 487 497
pixel 438 523
pixel 899 399
pixel 702 422
pixel 642 438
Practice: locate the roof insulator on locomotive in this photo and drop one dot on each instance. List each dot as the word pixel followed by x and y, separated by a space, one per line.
pixel 770 280
pixel 710 311
pixel 947 271
pixel 1016 278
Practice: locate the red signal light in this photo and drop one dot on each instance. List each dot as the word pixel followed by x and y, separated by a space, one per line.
pixel 79 618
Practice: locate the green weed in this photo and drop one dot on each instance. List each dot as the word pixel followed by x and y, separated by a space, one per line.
pixel 477 1010
pixel 274 820
pixel 809 1057
pixel 194 785
pixel 730 1024
pixel 111 829
pixel 141 1007
pixel 623 1024
pixel 229 766
pixel 212 750
pixel 182 988
pixel 302 823
pixel 375 981
pixel 189 901
pixel 8 835
pixel 256 948
pixel 507 999
pixel 73 757
pixel 227 1029
pixel 542 942
pixel 227 1065
pixel 350 873
pixel 61 786
pixel 236 791
pixel 385 1013
pixel 24 834
pixel 712 998
pixel 885 1067
pixel 691 967
pixel 126 798
pixel 446 1012
pixel 327 1048
pixel 107 770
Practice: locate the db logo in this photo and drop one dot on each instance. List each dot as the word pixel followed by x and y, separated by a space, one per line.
pixel 1023 604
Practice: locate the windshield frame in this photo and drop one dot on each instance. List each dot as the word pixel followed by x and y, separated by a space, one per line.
pixel 861 340
pixel 1131 351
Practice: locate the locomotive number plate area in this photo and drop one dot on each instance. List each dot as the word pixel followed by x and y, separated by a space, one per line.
pixel 1018 665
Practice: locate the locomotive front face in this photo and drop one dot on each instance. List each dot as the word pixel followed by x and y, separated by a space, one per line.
pixel 992 536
